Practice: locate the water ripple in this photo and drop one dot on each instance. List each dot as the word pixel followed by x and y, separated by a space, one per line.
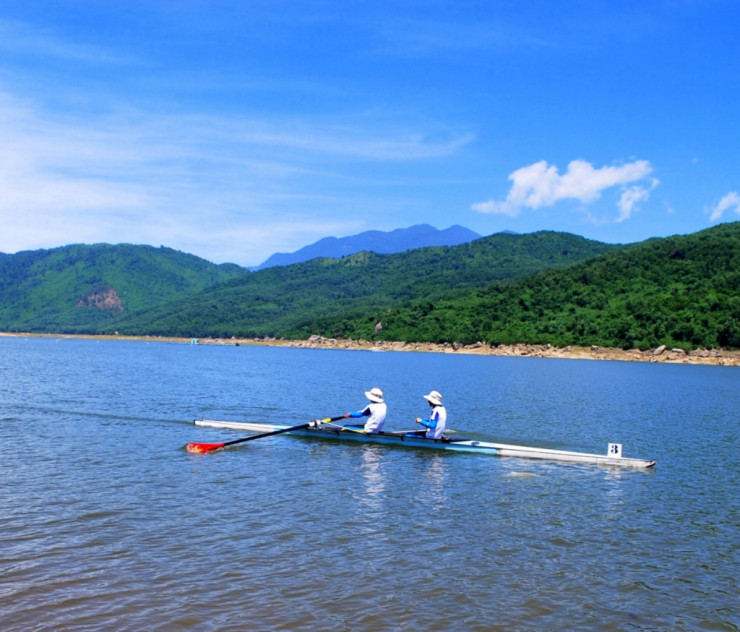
pixel 108 523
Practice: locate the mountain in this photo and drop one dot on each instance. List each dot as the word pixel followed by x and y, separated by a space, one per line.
pixel 399 240
pixel 539 288
pixel 83 288
pixel 680 291
pixel 289 301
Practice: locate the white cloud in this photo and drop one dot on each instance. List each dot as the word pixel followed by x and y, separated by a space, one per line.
pixel 133 175
pixel 540 184
pixel 20 39
pixel 731 201
pixel 359 146
pixel 630 197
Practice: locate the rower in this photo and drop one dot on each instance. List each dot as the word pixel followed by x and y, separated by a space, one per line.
pixel 435 424
pixel 375 411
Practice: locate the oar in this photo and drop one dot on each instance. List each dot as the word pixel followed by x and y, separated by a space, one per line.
pixel 202 448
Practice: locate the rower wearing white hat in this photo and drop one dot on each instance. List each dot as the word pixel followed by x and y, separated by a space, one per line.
pixel 437 420
pixel 375 411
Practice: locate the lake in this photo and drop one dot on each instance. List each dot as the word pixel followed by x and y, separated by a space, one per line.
pixel 108 523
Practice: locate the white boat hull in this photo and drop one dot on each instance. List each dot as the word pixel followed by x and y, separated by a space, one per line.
pixel 406 439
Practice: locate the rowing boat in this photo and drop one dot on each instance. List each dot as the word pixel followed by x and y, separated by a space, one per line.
pixel 409 438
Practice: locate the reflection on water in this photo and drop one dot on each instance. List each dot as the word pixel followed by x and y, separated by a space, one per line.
pixel 431 486
pixel 373 479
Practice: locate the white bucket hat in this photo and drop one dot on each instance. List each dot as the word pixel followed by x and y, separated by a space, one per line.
pixel 435 397
pixel 375 395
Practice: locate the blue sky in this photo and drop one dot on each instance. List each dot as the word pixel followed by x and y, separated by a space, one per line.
pixel 236 129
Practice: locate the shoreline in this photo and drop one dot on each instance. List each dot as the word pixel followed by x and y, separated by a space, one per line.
pixel 713 357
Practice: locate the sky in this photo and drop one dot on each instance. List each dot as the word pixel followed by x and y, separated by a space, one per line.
pixel 235 129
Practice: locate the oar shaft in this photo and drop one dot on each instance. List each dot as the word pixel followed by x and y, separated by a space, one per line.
pixel 267 434
pixel 210 447
pixel 282 430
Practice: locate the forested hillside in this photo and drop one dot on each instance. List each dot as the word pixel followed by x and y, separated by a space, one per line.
pixel 680 291
pixel 277 301
pixel 546 287
pixel 85 288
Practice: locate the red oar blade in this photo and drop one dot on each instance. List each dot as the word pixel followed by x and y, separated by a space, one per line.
pixel 202 448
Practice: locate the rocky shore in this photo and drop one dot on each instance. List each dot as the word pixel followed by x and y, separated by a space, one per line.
pixel 662 354
pixel 720 357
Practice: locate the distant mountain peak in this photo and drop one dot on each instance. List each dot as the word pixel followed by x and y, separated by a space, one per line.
pixel 381 242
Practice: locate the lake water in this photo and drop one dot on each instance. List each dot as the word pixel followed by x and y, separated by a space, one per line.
pixel 107 523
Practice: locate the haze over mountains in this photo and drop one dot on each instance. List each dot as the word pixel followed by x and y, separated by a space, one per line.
pixel 399 240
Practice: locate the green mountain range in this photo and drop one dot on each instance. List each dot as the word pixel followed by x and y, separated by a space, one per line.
pixel 681 291
pixel 87 289
pixel 544 287
pixel 285 301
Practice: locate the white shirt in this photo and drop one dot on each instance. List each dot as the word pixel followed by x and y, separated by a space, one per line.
pixel 439 419
pixel 376 417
